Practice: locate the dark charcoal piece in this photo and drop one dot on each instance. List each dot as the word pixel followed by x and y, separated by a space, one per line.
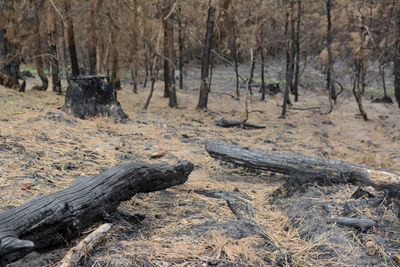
pixel 242 124
pixel 89 96
pixel 271 88
pixel 53 219
pixel 384 99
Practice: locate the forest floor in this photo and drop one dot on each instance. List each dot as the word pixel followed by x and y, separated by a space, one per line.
pixel 42 150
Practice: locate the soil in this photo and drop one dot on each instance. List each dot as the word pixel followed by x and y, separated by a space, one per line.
pixel 42 150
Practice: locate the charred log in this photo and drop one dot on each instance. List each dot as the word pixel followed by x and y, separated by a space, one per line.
pixel 89 96
pixel 49 220
pixel 287 163
pixel 241 124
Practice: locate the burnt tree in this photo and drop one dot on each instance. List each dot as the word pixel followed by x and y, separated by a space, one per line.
pixel 397 58
pixel 205 62
pixel 181 41
pixel 296 78
pixel 286 98
pixel 330 84
pixel 52 39
pixel 71 38
pixel 38 50
pixel 89 96
pixel 52 219
pixel 169 53
pixel 94 11
pixel 115 32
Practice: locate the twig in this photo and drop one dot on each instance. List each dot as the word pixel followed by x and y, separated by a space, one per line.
pixel 76 253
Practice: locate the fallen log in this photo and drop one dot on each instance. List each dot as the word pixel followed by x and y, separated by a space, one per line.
pixel 76 253
pixel 241 124
pixel 52 219
pixel 290 163
pixel 360 223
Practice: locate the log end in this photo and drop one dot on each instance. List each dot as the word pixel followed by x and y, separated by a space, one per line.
pixel 10 244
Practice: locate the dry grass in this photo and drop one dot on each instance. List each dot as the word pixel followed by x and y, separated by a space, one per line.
pixel 48 154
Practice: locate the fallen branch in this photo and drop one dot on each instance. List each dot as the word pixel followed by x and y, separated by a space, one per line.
pixel 76 253
pixel 241 124
pixel 287 163
pixel 50 220
pixel 359 223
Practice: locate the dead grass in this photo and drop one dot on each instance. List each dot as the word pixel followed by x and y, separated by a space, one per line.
pixel 48 154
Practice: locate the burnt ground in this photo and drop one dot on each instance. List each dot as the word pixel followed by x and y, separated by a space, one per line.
pixel 42 150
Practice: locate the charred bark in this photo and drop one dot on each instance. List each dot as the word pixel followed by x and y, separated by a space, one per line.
pixel 288 163
pixel 52 37
pixel 89 96
pixel 94 10
pixel 397 59
pixel 297 56
pixel 71 39
pixel 330 85
pixel 38 52
pixel 181 40
pixel 205 62
pixel 50 220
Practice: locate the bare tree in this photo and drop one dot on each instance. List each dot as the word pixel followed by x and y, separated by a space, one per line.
pixel 38 49
pixel 52 38
pixel 330 84
pixel 397 58
pixel 71 38
pixel 203 96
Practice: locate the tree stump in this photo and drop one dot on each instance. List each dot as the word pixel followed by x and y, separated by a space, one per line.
pixel 90 96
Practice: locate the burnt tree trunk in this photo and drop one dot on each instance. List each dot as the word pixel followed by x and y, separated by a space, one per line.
pixel 297 57
pixel 50 220
pixel 9 64
pixel 115 77
pixel 205 62
pixel 52 37
pixel 397 59
pixel 181 40
pixel 330 84
pixel 38 51
pixel 94 10
pixel 89 96
pixel 286 98
pixel 236 56
pixel 71 39
pixel 169 54
pixel 289 163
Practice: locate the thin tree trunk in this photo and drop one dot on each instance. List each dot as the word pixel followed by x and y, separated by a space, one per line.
pixel 181 41
pixel 252 66
pixel 330 84
pixel 382 73
pixel 236 60
pixel 38 51
pixel 293 45
pixel 64 49
pixel 169 55
pixel 263 87
pixel 71 39
pixel 52 31
pixel 397 58
pixel 297 58
pixel 115 76
pixel 134 82
pixel 358 85
pixel 93 40
pixel 203 96
pixel 211 72
pixel 288 80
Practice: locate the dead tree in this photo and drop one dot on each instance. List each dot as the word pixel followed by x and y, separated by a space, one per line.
pixel 94 11
pixel 288 82
pixel 359 69
pixel 205 62
pixel 330 84
pixel 53 219
pixel 71 38
pixel 52 38
pixel 115 32
pixel 319 168
pixel 181 41
pixel 397 59
pixel 297 54
pixel 38 50
pixel 169 53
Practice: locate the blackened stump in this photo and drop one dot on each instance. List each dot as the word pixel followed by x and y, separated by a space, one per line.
pixel 90 96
